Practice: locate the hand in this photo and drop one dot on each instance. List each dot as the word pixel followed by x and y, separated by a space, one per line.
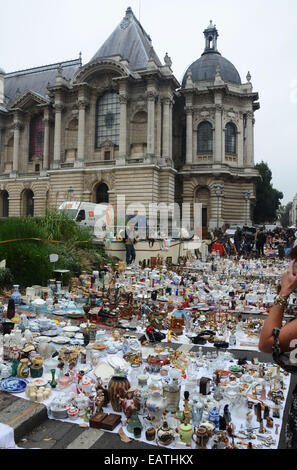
pixel 289 280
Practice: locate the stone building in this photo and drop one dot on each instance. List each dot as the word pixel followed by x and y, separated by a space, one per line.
pixel 123 124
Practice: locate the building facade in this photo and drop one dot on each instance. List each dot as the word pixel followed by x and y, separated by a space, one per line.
pixel 122 124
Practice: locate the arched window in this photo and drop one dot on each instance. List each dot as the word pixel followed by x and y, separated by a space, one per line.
pixel 108 119
pixel 4 204
pixel 36 137
pixel 101 193
pixel 205 138
pixel 230 138
pixel 28 203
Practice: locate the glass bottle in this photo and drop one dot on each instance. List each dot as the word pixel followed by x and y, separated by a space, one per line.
pixel 53 382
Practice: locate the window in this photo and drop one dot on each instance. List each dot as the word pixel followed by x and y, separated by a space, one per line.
pixel 81 216
pixel 107 155
pixel 36 137
pixel 205 138
pixel 230 138
pixel 108 119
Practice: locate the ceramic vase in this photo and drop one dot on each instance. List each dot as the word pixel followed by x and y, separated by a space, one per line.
pixel 165 434
pixel 117 389
pixel 16 295
pixel 156 404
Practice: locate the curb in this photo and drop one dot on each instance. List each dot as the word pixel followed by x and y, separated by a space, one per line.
pixel 21 415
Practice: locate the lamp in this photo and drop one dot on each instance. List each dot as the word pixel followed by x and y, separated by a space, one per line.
pixel 219 192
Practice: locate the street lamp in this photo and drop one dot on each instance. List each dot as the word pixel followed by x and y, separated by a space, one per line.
pixel 247 197
pixel 219 192
pixel 70 192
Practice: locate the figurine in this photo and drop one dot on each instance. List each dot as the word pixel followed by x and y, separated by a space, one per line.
pixel 227 414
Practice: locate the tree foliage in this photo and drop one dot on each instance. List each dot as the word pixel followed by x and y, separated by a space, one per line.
pixel 268 199
pixel 28 260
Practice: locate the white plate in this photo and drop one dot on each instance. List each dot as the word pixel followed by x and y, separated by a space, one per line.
pixel 71 329
pixel 39 382
pixel 61 340
pixel 46 339
pixel 117 362
pixel 104 370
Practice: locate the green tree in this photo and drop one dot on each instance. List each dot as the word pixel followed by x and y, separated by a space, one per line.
pixel 267 197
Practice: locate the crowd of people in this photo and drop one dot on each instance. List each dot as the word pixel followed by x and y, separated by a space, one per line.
pixel 252 242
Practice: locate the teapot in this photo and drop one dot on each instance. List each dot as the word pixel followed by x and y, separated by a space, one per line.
pixel 86 385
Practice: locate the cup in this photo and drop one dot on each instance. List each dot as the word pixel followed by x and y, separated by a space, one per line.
pixel 137 433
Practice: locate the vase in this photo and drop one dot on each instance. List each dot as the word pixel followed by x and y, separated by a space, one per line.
pixel 23 369
pixel 165 434
pixel 214 417
pixel 36 372
pixel 117 388
pixel 53 382
pixel 171 393
pixel 156 404
pixel 196 412
pixel 16 295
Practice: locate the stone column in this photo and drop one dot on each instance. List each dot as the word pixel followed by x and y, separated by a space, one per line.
pixel 218 135
pixel 58 131
pixel 46 121
pixel 189 154
pixel 16 146
pixel 80 157
pixel 151 98
pixel 170 128
pixel 166 127
pixel 249 139
pixel 240 139
pixel 123 128
pixel 159 130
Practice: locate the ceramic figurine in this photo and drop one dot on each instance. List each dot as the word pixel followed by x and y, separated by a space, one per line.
pixel 133 422
pixel 227 414
pixel 130 403
pixel 196 411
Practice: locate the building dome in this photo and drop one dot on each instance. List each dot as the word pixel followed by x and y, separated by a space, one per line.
pixel 2 72
pixel 205 68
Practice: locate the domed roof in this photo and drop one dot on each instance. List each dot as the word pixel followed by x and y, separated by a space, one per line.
pixel 2 72
pixel 205 69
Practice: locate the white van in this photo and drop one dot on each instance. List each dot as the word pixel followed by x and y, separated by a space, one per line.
pixel 88 214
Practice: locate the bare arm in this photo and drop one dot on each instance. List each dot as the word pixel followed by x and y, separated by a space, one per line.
pixel 275 317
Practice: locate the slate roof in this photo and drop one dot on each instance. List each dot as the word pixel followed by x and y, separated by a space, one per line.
pixel 131 42
pixel 36 79
pixel 205 69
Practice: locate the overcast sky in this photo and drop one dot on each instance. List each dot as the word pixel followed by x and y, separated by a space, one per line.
pixel 256 35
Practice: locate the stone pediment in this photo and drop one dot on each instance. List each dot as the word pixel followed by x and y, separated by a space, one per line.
pixel 27 100
pixel 88 73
